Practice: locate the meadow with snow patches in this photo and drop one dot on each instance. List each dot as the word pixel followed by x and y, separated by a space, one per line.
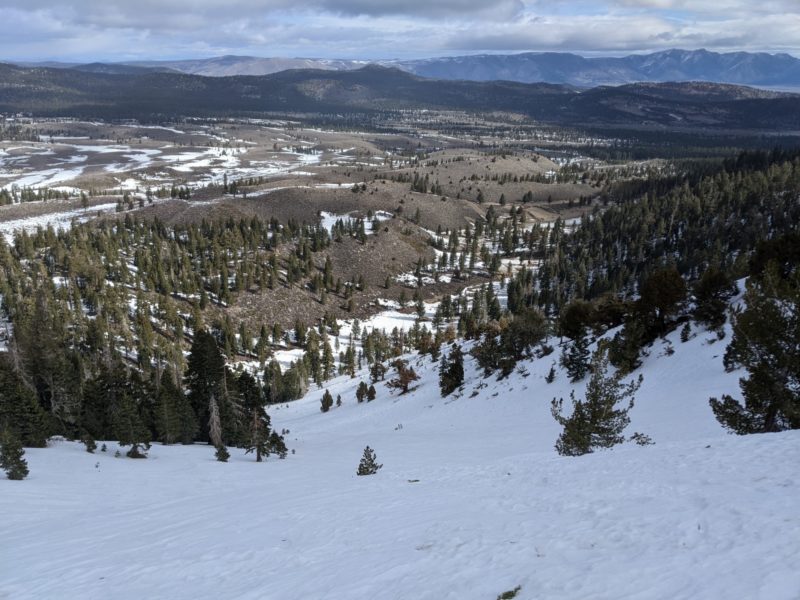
pixel 472 501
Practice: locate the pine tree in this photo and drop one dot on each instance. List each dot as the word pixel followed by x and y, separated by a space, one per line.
pixel 711 296
pixel 327 401
pixel 259 436
pixel 20 410
pixel 361 392
pixel 128 427
pixel 369 464
pixel 405 376
pixel 89 443
pixel 204 381
pixel 599 420
pixel 661 296
pixel 626 347
pixel 12 456
pixel 221 453
pixel 451 371
pixel 766 341
pixel 371 393
pixel 377 372
pixel 174 418
pixel 551 374
pixel 575 358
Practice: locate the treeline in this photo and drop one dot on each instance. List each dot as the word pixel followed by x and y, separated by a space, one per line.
pixel 207 403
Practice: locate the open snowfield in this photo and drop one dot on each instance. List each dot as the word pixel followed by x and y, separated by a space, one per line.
pixel 472 501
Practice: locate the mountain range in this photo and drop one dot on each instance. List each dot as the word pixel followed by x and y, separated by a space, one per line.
pixel 147 93
pixel 743 68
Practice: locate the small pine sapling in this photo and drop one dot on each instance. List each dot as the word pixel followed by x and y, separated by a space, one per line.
pixel 222 453
pixel 89 443
pixel 369 464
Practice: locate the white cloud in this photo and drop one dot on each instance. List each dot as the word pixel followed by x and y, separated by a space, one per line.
pixel 122 29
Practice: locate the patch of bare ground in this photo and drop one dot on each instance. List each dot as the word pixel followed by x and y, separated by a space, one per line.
pixel 25 210
pixel 393 250
pixel 303 204
pixel 468 173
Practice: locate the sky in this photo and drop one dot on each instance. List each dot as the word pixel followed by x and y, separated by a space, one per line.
pixel 119 30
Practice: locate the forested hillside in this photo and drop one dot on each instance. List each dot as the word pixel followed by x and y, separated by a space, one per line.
pixel 99 317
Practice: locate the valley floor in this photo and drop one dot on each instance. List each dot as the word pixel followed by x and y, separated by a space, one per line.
pixel 472 501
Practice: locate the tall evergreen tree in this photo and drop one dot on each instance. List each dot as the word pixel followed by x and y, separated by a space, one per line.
pixel 20 410
pixel 259 437
pixel 451 371
pixel 766 342
pixel 175 420
pixel 204 381
pixel 712 292
pixel 128 427
pixel 575 358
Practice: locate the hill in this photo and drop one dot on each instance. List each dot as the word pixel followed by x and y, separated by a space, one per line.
pixel 149 95
pixel 471 487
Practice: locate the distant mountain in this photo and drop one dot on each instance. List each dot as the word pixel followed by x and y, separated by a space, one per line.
pixel 151 94
pixel 742 68
pixel 226 66
pixel 120 69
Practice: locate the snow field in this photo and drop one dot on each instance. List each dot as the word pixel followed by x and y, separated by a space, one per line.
pixel 471 501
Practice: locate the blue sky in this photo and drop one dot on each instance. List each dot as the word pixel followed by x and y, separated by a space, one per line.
pixel 107 30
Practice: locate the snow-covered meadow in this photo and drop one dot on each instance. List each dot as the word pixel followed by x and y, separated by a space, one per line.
pixel 472 501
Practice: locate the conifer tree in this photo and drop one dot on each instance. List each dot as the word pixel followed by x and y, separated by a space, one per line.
pixel 128 427
pixel 369 464
pixel 371 393
pixel 259 436
pixel 451 371
pixel 174 418
pixel 221 453
pixel 12 456
pixel 766 342
pixel 712 292
pixel 626 347
pixel 20 410
pixel 405 376
pixel 361 392
pixel 575 358
pixel 204 375
pixel 599 420
pixel 89 443
pixel 327 401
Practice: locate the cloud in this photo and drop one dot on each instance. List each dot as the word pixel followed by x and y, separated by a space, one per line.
pixel 78 30
pixel 631 33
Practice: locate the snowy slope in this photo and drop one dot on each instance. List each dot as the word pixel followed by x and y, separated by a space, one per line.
pixel 472 501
